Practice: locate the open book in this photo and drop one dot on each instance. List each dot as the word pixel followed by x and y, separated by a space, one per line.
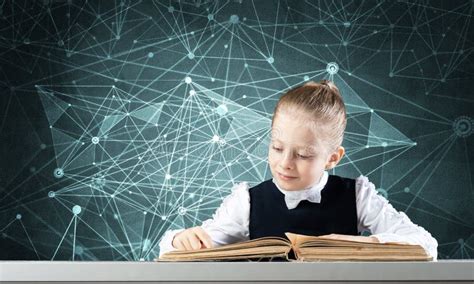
pixel 302 248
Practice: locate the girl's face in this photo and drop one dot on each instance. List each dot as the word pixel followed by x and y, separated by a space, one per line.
pixel 297 155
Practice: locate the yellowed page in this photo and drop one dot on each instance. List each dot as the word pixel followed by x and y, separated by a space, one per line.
pixel 262 247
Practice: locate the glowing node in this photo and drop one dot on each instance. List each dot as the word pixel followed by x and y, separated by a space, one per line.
pixel 167 176
pixel 79 250
pixel 463 126
pixel 270 60
pixel 213 79
pixel 182 211
pixel 222 110
pixel 210 17
pixel 171 9
pixel 115 216
pixel 306 78
pixel 382 192
pixel 150 54
pixel 191 55
pixel 76 209
pixel 406 189
pixel 390 74
pixel 246 65
pixel 384 144
pixel 18 216
pixel 188 80
pixel 234 19
pixel 347 24
pixel 215 138
pixel 95 140
pixel 51 194
pixel 163 218
pixel 244 96
pixel 58 173
pixel 192 92
pixel 332 68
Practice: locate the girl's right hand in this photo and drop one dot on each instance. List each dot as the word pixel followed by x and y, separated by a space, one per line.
pixel 192 239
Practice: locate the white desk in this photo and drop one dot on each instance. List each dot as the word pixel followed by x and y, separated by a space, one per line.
pixel 237 272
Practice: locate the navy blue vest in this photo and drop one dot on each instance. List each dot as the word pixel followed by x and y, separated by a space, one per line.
pixel 336 213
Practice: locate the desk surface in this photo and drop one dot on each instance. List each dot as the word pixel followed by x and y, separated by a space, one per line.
pixel 320 272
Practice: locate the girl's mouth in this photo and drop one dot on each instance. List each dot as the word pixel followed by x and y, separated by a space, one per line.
pixel 285 177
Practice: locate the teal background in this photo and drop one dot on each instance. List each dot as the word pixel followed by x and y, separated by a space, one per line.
pixel 123 119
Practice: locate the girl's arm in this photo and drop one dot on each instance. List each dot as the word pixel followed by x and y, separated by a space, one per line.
pixel 378 216
pixel 229 223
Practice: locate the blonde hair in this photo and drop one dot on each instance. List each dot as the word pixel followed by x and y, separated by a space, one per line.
pixel 323 103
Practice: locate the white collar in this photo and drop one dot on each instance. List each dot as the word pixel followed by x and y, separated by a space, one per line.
pixel 311 193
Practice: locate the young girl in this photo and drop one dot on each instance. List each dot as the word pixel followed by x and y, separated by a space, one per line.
pixel 306 136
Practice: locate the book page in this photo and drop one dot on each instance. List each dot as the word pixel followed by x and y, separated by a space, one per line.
pixel 261 247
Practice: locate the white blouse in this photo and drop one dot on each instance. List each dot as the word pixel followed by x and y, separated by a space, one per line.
pixel 230 222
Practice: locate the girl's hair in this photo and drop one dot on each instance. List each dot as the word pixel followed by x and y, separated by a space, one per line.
pixel 321 101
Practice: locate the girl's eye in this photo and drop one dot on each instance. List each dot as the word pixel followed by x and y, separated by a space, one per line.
pixel 276 149
pixel 303 157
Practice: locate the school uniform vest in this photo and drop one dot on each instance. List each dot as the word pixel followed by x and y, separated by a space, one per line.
pixel 336 213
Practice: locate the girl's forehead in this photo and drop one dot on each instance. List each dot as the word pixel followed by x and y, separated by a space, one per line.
pixel 299 131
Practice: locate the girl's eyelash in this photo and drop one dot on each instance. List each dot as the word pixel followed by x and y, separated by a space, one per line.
pixel 301 156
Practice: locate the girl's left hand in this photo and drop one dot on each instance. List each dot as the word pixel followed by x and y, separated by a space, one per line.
pixel 369 239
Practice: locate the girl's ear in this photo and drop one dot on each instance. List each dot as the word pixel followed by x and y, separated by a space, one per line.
pixel 335 157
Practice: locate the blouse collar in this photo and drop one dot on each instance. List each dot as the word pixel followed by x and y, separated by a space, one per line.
pixel 311 193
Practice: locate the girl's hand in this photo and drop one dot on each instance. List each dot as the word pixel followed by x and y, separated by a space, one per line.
pixel 370 239
pixel 192 239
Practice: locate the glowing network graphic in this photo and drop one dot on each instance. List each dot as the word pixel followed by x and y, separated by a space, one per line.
pixel 124 119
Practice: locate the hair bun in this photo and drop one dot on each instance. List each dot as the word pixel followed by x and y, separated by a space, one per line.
pixel 326 83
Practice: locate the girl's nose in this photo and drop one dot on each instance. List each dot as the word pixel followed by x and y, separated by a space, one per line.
pixel 286 161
